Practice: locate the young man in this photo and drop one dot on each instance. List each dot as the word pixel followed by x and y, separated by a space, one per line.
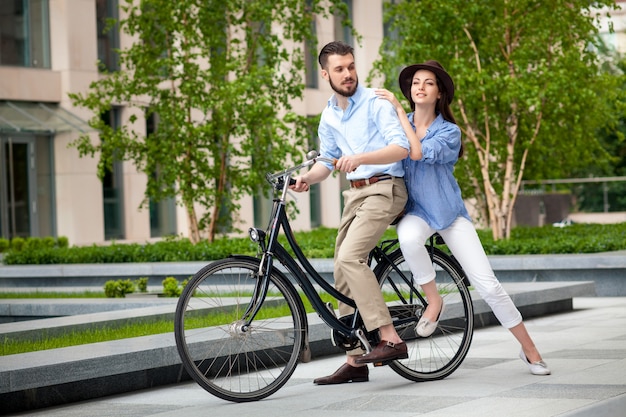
pixel 365 136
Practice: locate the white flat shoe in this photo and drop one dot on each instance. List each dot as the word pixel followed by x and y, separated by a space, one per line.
pixel 425 327
pixel 536 368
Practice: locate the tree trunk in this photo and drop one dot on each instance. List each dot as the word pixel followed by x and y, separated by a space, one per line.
pixel 481 204
pixel 194 231
pixel 221 187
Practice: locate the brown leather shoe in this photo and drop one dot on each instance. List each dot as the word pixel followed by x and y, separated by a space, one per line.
pixel 346 373
pixel 384 352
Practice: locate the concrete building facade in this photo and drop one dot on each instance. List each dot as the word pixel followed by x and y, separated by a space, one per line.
pixel 49 49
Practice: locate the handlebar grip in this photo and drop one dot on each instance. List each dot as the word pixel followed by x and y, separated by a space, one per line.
pixel 278 185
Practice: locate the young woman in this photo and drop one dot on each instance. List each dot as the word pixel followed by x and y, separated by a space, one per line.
pixel 435 204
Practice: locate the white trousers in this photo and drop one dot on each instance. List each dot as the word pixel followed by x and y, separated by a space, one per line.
pixel 462 240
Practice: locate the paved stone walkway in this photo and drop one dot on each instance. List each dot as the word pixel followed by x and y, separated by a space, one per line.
pixel 585 349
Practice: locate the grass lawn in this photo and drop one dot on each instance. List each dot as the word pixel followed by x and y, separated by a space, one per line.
pixel 107 333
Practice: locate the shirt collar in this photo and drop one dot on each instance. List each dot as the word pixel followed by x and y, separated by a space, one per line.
pixel 332 101
pixel 438 120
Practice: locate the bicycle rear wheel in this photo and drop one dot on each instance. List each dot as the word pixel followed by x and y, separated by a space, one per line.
pixel 228 359
pixel 439 355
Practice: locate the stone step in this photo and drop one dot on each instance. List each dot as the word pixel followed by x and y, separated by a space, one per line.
pixel 46 378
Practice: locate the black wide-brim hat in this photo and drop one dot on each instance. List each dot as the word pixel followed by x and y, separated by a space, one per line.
pixel 406 78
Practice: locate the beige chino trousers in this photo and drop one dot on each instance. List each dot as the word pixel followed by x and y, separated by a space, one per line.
pixel 367 213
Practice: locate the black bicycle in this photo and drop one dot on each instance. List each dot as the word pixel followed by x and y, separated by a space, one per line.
pixel 241 326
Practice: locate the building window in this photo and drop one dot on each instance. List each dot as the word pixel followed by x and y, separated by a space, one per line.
pixel 112 189
pixel 262 204
pixel 162 212
pixel 46 207
pixel 24 33
pixel 390 34
pixel 310 57
pixel 315 191
pixel 108 34
pixel 342 31
pixel 26 186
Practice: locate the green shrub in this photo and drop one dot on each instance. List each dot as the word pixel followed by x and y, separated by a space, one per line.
pixel 4 244
pixel 318 243
pixel 119 288
pixel 48 242
pixel 17 243
pixel 33 243
pixel 142 284
pixel 171 287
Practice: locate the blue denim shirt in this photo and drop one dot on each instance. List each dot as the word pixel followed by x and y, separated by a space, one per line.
pixel 434 194
pixel 367 124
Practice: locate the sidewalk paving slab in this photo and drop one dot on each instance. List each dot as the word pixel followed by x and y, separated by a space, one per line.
pixel 585 349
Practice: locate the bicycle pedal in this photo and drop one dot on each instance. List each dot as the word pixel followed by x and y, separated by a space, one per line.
pixel 387 362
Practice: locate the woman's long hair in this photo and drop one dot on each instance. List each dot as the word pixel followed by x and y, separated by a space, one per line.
pixel 442 107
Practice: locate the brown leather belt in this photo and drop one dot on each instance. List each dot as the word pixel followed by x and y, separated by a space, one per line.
pixel 369 181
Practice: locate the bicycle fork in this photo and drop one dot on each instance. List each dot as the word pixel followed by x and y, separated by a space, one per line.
pixel 258 297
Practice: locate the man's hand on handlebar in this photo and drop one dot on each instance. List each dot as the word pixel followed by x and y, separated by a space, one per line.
pixel 316 174
pixel 347 163
pixel 300 185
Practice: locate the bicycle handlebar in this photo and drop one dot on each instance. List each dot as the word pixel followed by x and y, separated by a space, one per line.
pixel 312 157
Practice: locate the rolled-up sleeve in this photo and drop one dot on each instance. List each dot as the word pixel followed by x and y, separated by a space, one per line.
pixel 444 147
pixel 389 126
pixel 328 147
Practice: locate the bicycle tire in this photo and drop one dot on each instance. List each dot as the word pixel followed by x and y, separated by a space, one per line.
pixel 228 361
pixel 439 355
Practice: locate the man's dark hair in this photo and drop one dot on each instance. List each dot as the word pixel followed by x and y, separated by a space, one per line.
pixel 334 48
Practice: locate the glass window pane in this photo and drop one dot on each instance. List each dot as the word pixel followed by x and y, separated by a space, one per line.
pixel 310 57
pixel 16 194
pixel 162 212
pixel 38 33
pixel 24 33
pixel 262 206
pixel 45 189
pixel 343 32
pixel 112 190
pixel 12 39
pixel 108 37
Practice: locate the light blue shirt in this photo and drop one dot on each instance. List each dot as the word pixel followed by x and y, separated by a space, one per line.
pixel 367 124
pixel 434 194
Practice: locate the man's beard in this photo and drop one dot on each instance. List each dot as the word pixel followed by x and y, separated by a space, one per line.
pixel 344 92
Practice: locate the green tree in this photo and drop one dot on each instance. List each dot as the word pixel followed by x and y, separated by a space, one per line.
pixel 530 95
pixel 613 139
pixel 220 77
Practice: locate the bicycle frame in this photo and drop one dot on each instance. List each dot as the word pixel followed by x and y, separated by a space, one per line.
pixel 273 249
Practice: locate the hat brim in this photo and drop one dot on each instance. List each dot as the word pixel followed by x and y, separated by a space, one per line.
pixel 405 79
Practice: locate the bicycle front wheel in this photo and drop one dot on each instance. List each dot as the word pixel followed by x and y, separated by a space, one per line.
pixel 222 353
pixel 439 355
